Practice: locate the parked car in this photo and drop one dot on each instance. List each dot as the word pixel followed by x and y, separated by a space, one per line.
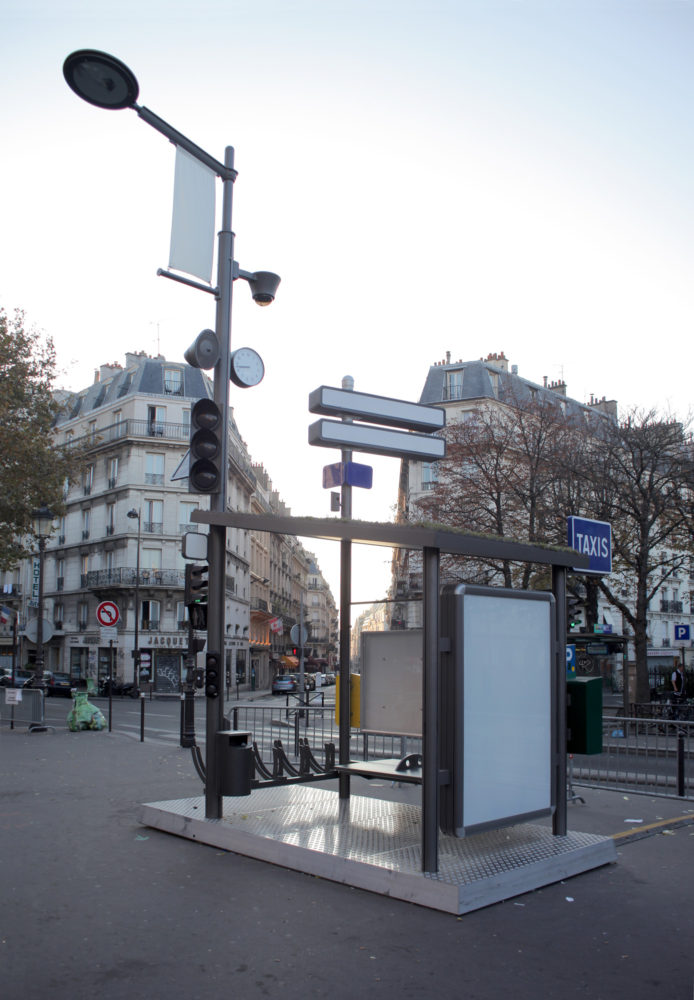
pixel 330 678
pixel 58 683
pixel 285 684
pixel 21 677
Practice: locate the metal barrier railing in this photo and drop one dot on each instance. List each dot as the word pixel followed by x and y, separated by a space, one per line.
pixel 653 755
pixel 27 711
pixel 292 723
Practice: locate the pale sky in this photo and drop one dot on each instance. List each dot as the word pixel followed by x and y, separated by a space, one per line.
pixel 431 176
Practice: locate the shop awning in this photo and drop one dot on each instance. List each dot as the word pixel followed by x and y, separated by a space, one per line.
pixel 290 661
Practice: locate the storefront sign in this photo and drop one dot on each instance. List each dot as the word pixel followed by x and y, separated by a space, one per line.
pixel 166 640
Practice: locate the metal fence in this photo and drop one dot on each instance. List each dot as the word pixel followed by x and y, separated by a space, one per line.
pixel 652 755
pixel 292 722
pixel 27 712
pixel 640 755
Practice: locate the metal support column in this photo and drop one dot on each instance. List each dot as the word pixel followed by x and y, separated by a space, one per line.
pixel 430 713
pixel 345 612
pixel 345 617
pixel 559 763
pixel 217 536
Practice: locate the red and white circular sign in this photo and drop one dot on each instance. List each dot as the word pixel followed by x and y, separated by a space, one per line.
pixel 107 614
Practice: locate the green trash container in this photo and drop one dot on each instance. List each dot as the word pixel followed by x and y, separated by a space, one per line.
pixel 584 715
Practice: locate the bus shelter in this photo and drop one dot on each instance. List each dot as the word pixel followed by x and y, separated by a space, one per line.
pixel 559 857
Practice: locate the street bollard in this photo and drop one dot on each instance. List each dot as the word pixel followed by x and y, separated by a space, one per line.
pixel 142 717
pixel 680 764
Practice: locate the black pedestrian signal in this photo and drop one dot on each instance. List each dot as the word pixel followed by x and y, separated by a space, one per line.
pixel 195 594
pixel 212 674
pixel 205 468
pixel 573 609
pixel 196 583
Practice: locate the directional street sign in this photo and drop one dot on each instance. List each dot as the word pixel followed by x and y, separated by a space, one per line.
pixel 376 409
pixel 352 406
pixel 376 440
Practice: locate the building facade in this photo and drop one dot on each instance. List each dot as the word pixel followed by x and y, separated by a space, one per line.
pixel 120 539
pixel 462 388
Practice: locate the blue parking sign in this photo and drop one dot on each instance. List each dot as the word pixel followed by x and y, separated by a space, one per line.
pixel 682 633
pixel 570 659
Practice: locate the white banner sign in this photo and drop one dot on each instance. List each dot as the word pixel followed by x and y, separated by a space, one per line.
pixel 192 225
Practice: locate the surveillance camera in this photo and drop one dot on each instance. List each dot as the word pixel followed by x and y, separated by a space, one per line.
pixel 264 286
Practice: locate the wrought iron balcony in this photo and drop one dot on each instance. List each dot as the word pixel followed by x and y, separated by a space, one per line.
pixel 125 576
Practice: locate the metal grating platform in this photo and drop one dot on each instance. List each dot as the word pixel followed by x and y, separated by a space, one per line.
pixel 374 844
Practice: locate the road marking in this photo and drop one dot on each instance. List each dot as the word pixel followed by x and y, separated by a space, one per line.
pixel 640 831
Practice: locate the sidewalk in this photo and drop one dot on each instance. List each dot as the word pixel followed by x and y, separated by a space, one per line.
pixel 96 905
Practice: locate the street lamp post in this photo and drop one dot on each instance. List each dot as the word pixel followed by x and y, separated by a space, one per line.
pixel 136 648
pixel 106 82
pixel 41 518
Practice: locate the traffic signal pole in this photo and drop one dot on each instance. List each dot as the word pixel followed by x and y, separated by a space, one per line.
pixel 217 536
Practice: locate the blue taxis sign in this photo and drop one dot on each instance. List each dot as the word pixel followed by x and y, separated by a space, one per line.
pixel 592 539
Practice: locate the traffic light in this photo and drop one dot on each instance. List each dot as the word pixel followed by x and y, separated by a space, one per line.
pixel 196 583
pixel 295 651
pixel 205 470
pixel 212 674
pixel 573 610
pixel 195 594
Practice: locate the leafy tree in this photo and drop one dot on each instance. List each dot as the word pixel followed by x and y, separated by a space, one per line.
pixel 33 468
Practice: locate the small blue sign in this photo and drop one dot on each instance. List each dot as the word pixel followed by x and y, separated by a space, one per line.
pixel 347 474
pixel 592 539
pixel 682 633
pixel 570 660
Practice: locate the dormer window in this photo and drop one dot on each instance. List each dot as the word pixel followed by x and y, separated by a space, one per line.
pixel 454 384
pixel 173 381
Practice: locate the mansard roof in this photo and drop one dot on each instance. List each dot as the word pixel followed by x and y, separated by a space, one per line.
pixel 476 383
pixel 145 376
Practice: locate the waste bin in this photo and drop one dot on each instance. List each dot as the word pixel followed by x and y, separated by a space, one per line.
pixel 584 715
pixel 234 762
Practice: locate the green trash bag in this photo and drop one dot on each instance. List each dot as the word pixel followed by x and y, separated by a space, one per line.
pixel 83 715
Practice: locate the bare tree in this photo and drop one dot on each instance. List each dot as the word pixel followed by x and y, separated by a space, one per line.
pixel 520 470
pixel 499 477
pixel 640 478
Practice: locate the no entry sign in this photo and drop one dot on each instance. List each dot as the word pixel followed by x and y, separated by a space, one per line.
pixel 107 614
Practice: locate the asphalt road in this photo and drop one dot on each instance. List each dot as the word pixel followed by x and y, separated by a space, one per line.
pixel 95 905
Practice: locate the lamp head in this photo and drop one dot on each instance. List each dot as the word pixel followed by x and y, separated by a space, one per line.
pixel 101 79
pixel 264 285
pixel 133 513
pixel 40 519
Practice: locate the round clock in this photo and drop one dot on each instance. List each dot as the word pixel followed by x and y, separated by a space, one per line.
pixel 246 367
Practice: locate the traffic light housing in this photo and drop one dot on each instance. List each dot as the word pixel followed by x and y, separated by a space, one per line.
pixel 196 583
pixel 195 594
pixel 573 609
pixel 213 674
pixel 206 438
